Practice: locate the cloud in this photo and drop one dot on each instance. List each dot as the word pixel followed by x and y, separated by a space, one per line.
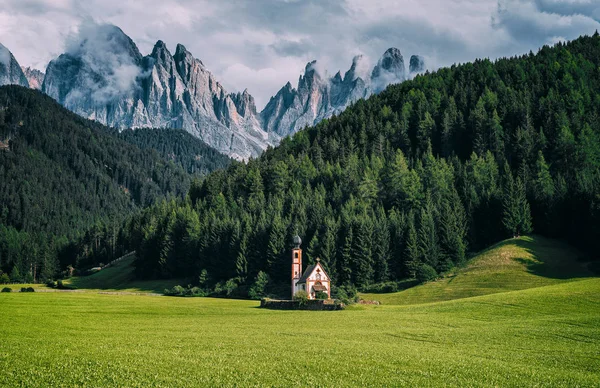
pixel 260 45
pixel 289 48
pixel 545 21
pixel 110 56
pixel 362 67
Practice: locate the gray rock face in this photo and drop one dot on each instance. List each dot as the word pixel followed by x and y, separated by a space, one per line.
pixel 35 78
pixel 97 78
pixel 104 77
pixel 389 69
pixel 10 71
pixel 319 97
pixel 417 64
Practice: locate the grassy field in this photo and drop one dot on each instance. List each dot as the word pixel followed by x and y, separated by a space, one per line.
pixel 548 335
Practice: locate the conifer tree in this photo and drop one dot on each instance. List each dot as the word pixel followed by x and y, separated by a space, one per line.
pixel 453 225
pixel 428 236
pixel 516 210
pixel 381 247
pixel 363 272
pixel 413 252
pixel 345 262
pixel 312 252
pixel 329 247
pixel 543 185
pixel 276 249
pixel 524 208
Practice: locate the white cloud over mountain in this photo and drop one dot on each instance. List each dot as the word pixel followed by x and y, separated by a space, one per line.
pixel 260 45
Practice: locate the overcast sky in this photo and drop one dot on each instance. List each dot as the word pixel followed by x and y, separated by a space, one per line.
pixel 262 44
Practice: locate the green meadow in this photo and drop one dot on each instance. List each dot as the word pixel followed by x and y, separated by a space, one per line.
pixel 542 329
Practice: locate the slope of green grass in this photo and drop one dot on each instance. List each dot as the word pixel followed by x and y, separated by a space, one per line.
pixel 120 278
pixel 514 264
pixel 546 336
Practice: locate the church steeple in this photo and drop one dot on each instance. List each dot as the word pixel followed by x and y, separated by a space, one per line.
pixel 296 263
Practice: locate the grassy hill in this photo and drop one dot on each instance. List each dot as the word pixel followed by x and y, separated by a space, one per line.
pixel 513 264
pixel 119 277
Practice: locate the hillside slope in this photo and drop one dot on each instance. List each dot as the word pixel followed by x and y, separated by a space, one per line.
pixel 510 265
pixel 120 277
pixel 61 174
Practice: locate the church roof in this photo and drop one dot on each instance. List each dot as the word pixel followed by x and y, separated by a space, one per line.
pixel 319 287
pixel 306 274
pixel 309 270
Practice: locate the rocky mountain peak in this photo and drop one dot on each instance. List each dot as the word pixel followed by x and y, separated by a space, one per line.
pixel 358 69
pixel 244 103
pixel 160 52
pixel 10 70
pixel 34 76
pixel 391 62
pixel 416 64
pixel 103 41
pixel 182 54
pixel 389 69
pixel 337 78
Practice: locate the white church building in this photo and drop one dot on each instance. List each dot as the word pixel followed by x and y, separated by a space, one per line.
pixel 313 280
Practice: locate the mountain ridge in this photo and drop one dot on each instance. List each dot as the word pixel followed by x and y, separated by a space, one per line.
pixel 105 77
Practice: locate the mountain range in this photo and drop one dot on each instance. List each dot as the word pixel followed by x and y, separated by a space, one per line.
pixel 104 77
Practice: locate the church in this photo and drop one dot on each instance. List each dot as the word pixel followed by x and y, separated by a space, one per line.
pixel 314 279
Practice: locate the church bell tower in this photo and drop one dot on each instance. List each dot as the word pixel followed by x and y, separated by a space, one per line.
pixel 296 264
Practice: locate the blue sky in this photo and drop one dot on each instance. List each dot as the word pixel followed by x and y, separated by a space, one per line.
pixel 262 44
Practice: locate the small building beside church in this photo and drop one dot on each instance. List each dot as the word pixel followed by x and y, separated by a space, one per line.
pixel 313 280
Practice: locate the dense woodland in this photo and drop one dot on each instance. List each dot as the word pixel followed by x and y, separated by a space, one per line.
pixel 179 146
pixel 409 180
pixel 404 183
pixel 61 174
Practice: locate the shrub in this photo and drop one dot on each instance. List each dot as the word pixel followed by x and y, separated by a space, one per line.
pixel 15 275
pixel 61 286
pixel 203 279
pixel 52 283
pixel 301 297
pixel 379 288
pixel 4 279
pixel 346 294
pixel 7 289
pixel 321 295
pixel 181 291
pixel 178 290
pixel 257 291
pixel 230 287
pixel 27 289
pixel 425 273
pixel 219 288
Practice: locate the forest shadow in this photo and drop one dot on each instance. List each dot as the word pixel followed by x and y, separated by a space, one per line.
pixel 550 258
